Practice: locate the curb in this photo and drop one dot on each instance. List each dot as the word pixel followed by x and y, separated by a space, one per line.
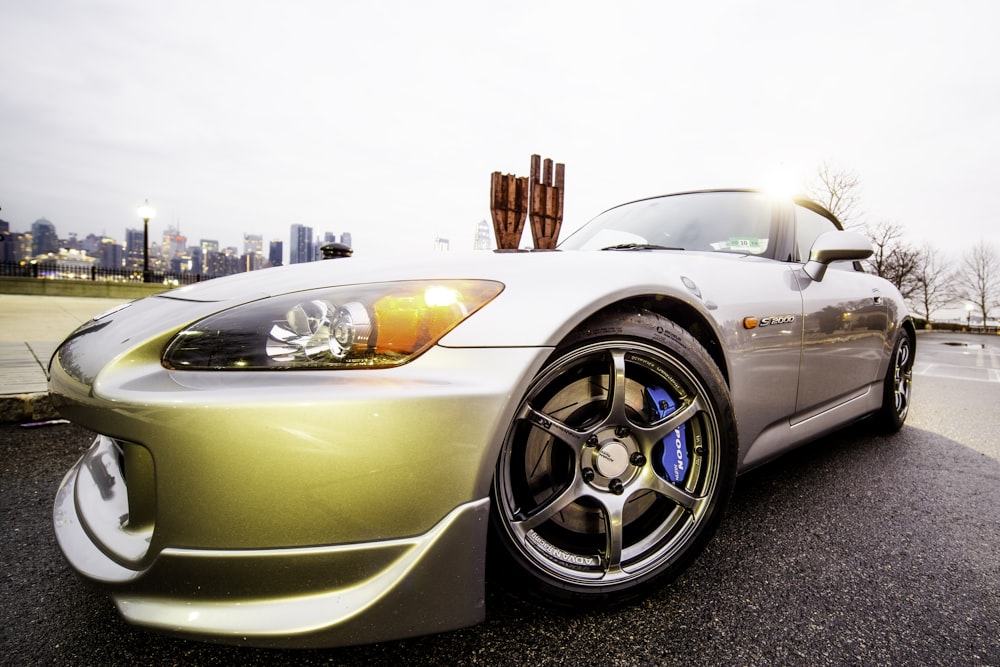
pixel 19 408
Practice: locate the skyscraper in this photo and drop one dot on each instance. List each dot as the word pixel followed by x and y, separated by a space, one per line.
pixel 197 259
pixel 43 237
pixel 110 254
pixel 253 244
pixel 133 248
pixel 276 251
pixel 210 253
pixel 300 248
pixel 174 244
pixel 484 240
pixel 6 242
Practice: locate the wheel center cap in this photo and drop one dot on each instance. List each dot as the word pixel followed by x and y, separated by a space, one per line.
pixel 612 459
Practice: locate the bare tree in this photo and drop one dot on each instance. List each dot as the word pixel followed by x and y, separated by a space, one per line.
pixel 933 289
pixel 978 278
pixel 837 190
pixel 893 258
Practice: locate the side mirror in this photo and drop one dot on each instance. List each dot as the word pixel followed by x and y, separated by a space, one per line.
pixel 835 246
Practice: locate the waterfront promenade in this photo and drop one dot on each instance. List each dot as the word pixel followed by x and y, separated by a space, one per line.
pixel 31 326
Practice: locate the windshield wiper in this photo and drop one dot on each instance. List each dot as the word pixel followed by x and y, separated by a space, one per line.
pixel 640 246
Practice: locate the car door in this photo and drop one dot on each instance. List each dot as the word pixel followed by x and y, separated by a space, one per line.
pixel 845 323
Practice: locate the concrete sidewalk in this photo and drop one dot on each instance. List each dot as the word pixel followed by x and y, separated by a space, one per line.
pixel 30 329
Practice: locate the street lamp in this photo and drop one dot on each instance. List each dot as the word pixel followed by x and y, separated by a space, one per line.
pixel 146 212
pixel 968 316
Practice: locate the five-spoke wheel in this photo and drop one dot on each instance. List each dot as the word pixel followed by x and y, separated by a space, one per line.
pixel 618 462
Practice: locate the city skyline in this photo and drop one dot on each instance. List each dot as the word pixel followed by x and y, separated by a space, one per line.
pixel 23 228
pixel 171 245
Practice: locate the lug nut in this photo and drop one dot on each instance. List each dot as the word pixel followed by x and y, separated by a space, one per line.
pixel 621 431
pixel 588 474
pixel 616 487
pixel 592 441
pixel 637 459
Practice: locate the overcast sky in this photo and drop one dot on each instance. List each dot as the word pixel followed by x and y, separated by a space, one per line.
pixel 386 119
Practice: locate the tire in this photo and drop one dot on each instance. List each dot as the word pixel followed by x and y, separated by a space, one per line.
pixel 617 466
pixel 898 385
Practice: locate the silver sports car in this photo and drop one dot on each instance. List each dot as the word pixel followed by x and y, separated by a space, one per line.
pixel 331 453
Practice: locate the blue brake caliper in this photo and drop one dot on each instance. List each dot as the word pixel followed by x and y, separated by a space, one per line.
pixel 675 454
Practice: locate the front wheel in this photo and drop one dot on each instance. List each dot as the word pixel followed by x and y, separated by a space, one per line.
pixel 617 466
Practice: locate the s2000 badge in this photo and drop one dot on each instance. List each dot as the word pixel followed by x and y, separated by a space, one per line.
pixel 770 320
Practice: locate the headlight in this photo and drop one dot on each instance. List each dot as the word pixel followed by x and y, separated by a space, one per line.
pixel 363 326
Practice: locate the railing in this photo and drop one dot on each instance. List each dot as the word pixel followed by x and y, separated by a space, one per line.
pixel 54 271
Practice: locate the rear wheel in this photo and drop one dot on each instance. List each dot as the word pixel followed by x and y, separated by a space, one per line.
pixel 898 385
pixel 617 466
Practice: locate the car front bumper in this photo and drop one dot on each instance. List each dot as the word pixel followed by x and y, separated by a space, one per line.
pixel 279 510
pixel 309 596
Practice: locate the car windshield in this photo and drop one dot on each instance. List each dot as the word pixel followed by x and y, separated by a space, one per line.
pixel 715 221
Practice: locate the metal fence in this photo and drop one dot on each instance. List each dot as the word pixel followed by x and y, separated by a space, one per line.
pixel 55 271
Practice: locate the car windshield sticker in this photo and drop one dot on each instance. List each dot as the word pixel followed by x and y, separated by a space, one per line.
pixel 675 454
pixel 746 244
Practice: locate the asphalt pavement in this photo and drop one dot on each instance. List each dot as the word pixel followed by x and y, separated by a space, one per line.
pixel 857 549
pixel 853 550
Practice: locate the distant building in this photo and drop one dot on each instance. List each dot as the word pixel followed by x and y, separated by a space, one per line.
pixel 484 236
pixel 274 255
pixel 253 252
pixel 174 244
pixel 345 238
pixel 44 239
pixel 232 260
pixel 253 244
pixel 110 255
pixel 92 244
pixel 197 256
pixel 300 249
pixel 251 261
pixel 6 245
pixel 208 246
pixel 215 263
pixel 16 247
pixel 133 248
pixel 441 244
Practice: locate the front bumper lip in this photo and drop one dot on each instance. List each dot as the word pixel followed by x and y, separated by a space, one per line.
pixel 380 607
pixel 338 595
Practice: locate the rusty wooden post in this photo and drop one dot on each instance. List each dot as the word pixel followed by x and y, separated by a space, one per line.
pixel 546 202
pixel 509 206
